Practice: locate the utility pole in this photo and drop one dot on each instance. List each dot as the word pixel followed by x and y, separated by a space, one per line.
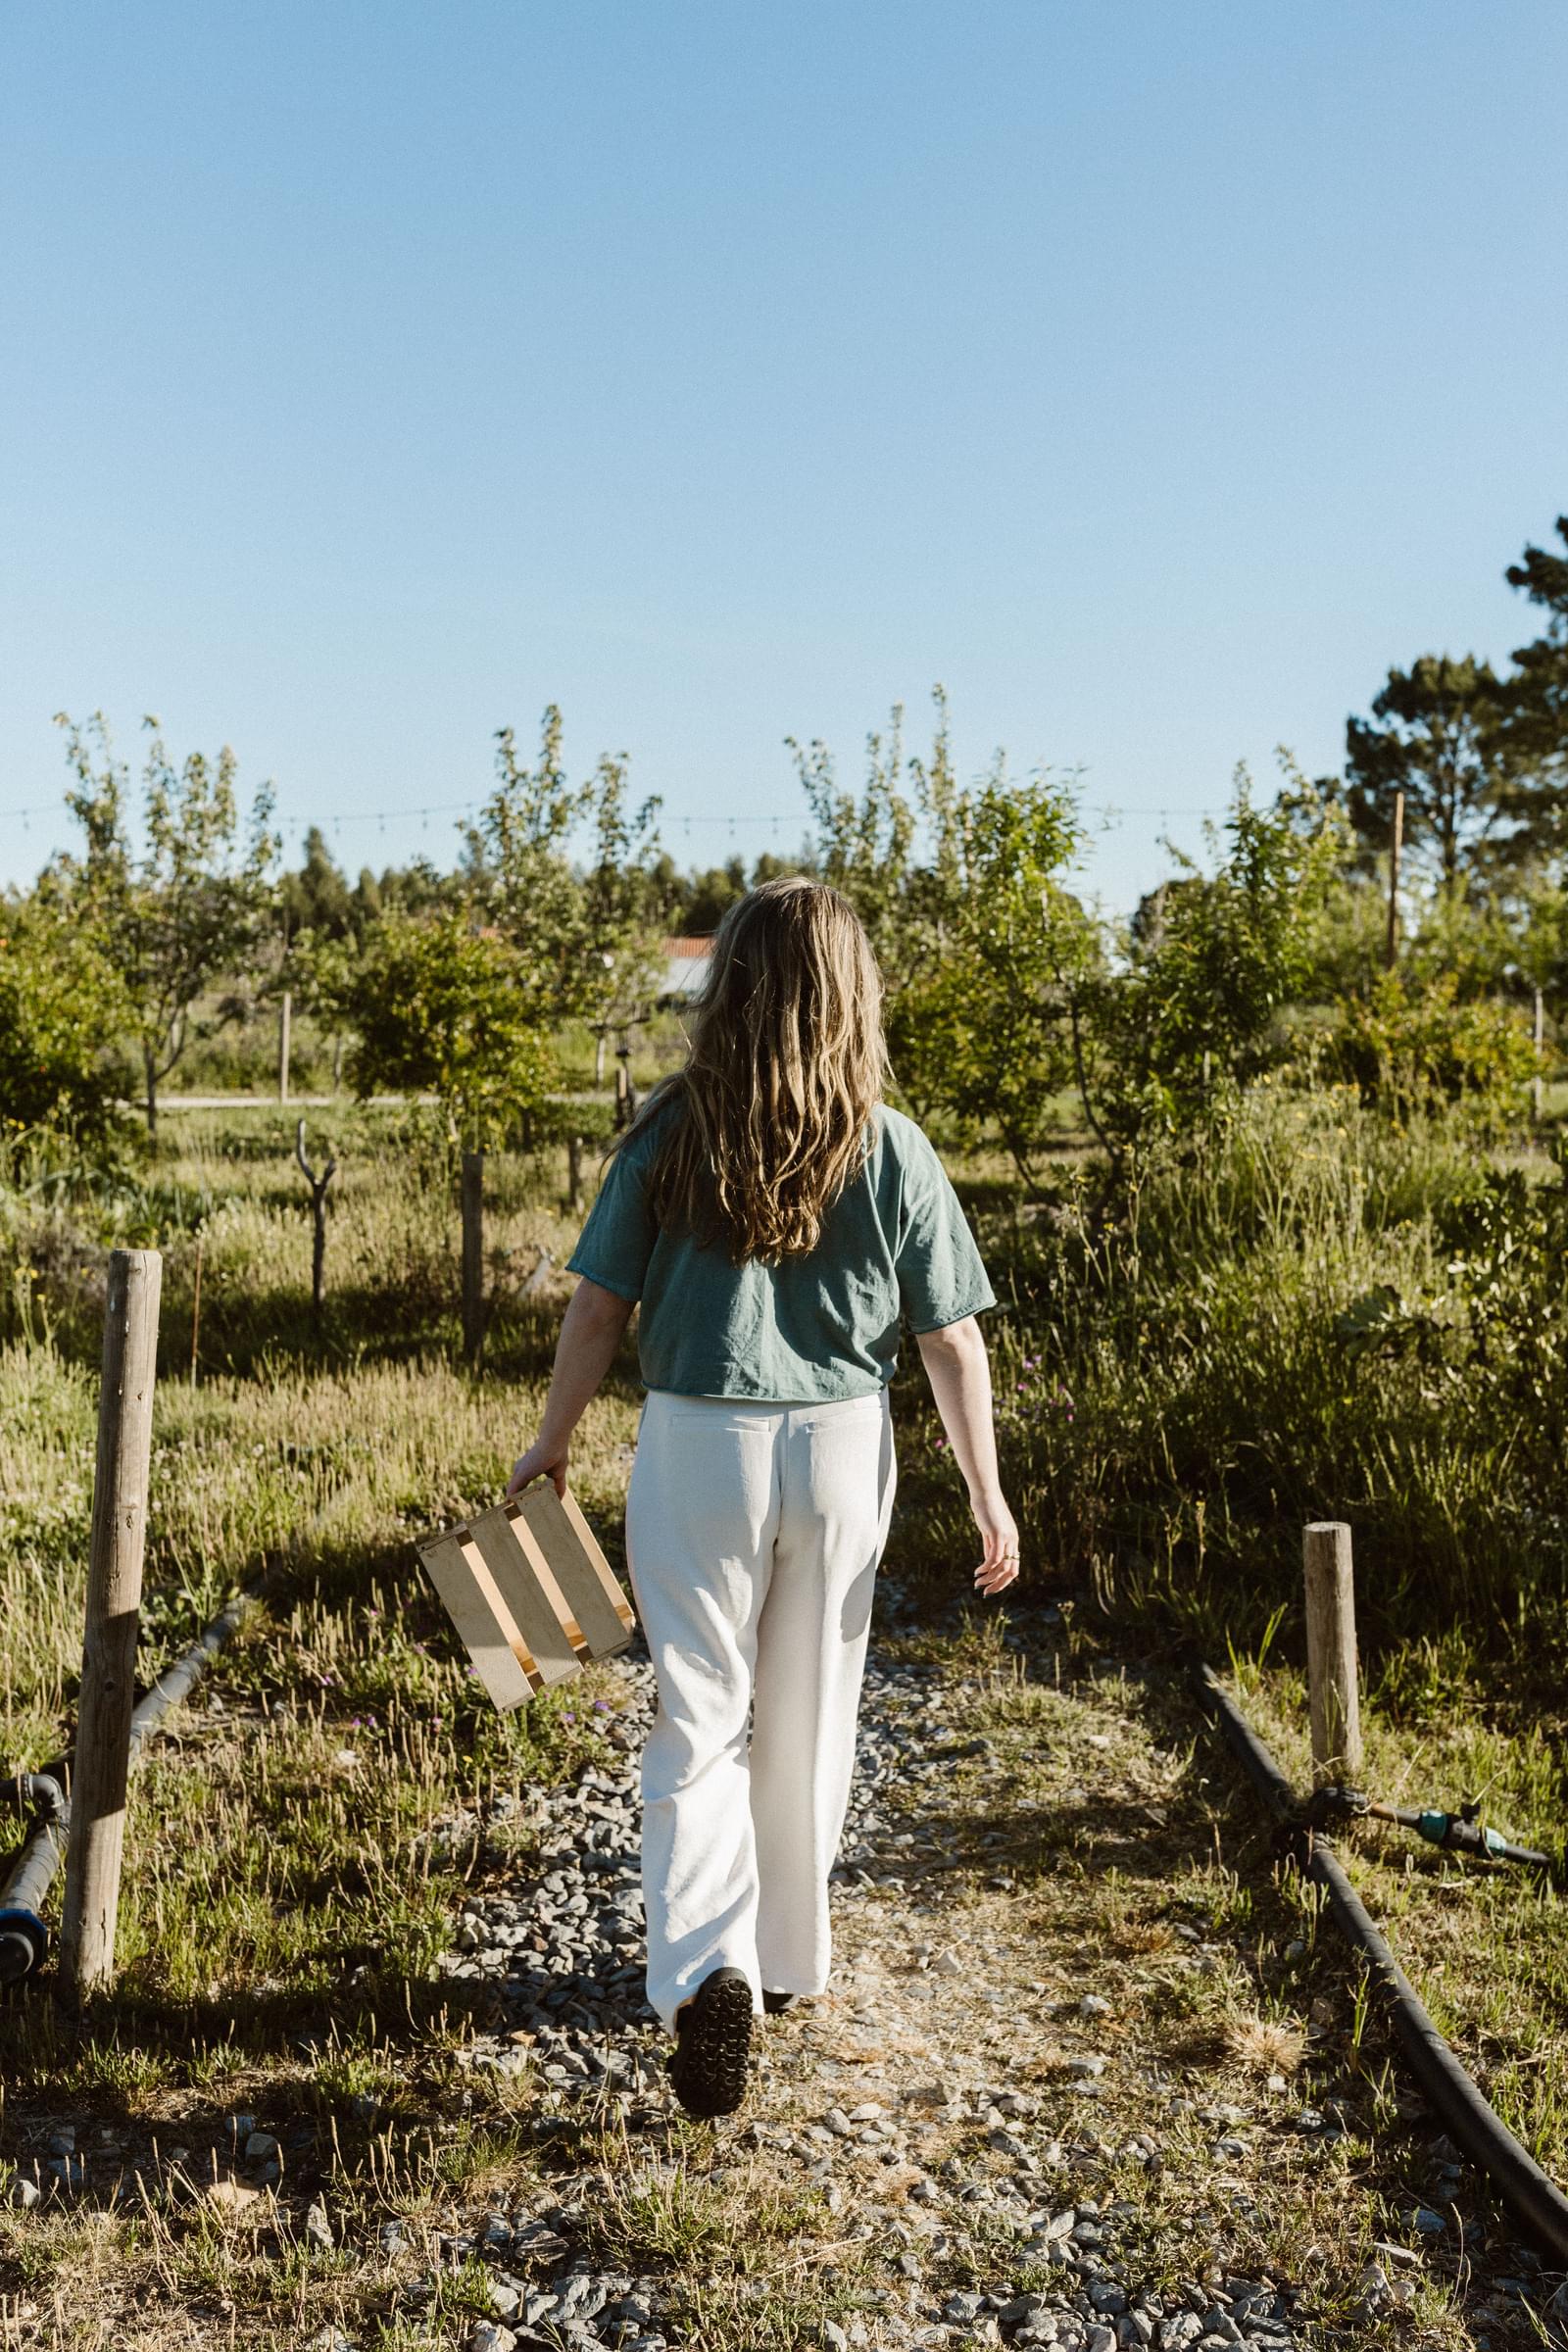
pixel 1395 846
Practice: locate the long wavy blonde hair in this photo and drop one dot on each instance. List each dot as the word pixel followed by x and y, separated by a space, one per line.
pixel 785 1064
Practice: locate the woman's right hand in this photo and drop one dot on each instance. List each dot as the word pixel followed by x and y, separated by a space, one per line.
pixel 542 1460
pixel 998 1533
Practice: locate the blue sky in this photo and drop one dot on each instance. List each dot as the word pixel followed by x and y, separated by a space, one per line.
pixel 1151 375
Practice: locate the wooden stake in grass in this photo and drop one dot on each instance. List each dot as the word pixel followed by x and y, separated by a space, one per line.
pixel 1331 1660
pixel 113 1604
pixel 317 1185
pixel 472 1255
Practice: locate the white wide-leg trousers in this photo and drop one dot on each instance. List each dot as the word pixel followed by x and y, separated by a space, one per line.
pixel 752 1537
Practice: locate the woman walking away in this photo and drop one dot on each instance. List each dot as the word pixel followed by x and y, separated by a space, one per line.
pixel 774 1218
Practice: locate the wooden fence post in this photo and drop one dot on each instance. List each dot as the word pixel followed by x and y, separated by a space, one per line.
pixel 114 1603
pixel 1331 1660
pixel 472 1254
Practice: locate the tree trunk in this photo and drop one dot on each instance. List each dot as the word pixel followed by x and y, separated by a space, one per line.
pixel 318 1253
pixel 150 1073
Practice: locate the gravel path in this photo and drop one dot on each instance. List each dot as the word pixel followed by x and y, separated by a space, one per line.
pixel 1084 2078
pixel 949 2162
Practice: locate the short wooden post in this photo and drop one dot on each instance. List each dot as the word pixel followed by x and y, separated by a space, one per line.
pixel 575 1173
pixel 472 1254
pixel 286 1023
pixel 114 1603
pixel 1331 1662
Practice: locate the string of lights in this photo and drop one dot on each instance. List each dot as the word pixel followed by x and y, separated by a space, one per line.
pixel 1114 811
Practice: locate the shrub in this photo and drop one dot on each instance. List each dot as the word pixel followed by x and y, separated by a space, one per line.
pixel 61 1008
pixel 1411 1047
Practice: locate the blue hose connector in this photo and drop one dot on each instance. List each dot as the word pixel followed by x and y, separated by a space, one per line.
pixel 24 1942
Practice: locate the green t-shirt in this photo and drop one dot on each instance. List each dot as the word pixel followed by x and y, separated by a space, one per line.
pixel 811 1328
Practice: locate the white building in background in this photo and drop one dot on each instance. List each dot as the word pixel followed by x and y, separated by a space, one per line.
pixel 686 963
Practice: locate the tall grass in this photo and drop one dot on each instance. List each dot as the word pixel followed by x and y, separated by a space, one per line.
pixel 1296 1316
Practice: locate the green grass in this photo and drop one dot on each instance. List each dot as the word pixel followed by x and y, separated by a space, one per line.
pixel 1179 1388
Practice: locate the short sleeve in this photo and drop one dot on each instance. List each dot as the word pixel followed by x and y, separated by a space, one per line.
pixel 940 1278
pixel 618 1241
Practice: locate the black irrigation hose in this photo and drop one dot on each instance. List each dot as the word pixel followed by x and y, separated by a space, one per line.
pixel 1471 2123
pixel 23 1937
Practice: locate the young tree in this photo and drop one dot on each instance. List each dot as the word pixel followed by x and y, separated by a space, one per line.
pixel 981 1025
pixel 186 910
pixel 863 846
pixel 979 938
pixel 441 1009
pixel 586 941
pixel 625 913
pixel 518 873
pixel 1189 1015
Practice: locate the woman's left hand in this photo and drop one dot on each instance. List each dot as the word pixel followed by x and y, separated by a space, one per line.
pixel 542 1460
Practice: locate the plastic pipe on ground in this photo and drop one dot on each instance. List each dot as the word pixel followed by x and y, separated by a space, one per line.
pixel 23 1937
pixel 1470 2122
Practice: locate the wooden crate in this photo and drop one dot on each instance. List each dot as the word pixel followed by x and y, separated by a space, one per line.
pixel 530 1593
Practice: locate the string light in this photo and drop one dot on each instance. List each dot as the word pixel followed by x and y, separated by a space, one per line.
pixel 773 819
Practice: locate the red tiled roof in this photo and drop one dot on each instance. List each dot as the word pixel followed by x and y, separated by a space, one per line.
pixel 687 947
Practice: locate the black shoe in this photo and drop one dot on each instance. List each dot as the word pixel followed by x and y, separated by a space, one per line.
pixel 713 2045
pixel 775 2003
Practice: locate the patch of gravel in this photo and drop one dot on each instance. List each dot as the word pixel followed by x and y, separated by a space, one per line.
pixel 562 1949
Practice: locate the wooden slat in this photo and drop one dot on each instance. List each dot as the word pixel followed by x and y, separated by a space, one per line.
pixel 493 1536
pixel 500 1655
pixel 581 1568
pixel 523 1534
